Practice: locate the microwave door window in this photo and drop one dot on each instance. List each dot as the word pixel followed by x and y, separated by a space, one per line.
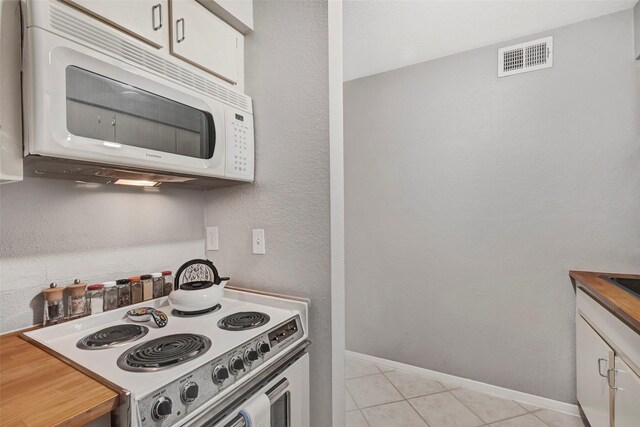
pixel 103 109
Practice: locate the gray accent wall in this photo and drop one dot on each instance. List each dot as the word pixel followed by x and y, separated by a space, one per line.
pixel 287 77
pixel 469 198
pixel 58 230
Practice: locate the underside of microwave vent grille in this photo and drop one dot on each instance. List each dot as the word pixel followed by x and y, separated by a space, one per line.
pixel 524 57
pixel 97 37
pixel 147 176
pixel 86 172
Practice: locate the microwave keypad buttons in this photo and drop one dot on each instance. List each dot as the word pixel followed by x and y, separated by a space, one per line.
pixel 240 131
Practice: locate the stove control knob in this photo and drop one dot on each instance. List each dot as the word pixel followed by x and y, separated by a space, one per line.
pixel 236 365
pixel 189 392
pixel 250 356
pixel 263 348
pixel 220 373
pixel 161 409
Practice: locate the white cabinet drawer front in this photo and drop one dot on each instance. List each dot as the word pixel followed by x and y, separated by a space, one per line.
pixel 623 339
pixel 627 402
pixel 145 19
pixel 593 359
pixel 206 41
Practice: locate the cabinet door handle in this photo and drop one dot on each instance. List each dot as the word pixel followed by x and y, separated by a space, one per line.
pixel 178 36
pixel 157 7
pixel 609 372
pixel 600 360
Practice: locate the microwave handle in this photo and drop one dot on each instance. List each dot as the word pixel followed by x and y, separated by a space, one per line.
pixel 273 394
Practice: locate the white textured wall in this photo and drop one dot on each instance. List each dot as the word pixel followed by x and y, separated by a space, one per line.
pixel 636 21
pixel 56 231
pixel 287 77
pixel 468 199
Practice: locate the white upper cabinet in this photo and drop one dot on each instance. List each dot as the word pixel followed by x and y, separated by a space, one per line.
pixel 206 41
pixel 144 19
pixel 184 29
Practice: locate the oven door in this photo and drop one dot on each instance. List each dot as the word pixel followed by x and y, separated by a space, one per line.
pixel 81 104
pixel 288 392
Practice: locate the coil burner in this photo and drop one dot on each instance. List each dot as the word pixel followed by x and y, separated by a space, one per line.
pixel 243 321
pixel 112 337
pixel 164 352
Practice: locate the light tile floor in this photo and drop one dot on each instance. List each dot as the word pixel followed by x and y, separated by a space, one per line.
pixel 379 396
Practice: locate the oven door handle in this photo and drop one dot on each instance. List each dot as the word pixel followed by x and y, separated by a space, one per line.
pixel 278 390
pixel 273 394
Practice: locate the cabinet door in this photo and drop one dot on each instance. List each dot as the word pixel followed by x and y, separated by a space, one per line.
pixel 204 40
pixel 593 359
pixel 10 106
pixel 627 401
pixel 144 19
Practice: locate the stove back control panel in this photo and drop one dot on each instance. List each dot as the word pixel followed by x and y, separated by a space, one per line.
pixel 182 396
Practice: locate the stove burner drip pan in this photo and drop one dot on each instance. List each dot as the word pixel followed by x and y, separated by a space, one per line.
pixel 243 321
pixel 112 336
pixel 164 352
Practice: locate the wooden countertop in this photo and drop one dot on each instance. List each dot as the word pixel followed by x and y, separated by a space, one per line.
pixel 618 301
pixel 38 389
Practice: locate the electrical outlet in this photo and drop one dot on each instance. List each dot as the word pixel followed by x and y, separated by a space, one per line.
pixel 212 239
pixel 258 241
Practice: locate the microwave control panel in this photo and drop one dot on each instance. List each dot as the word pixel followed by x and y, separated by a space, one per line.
pixel 239 147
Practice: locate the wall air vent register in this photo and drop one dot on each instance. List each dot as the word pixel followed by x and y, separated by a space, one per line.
pixel 521 58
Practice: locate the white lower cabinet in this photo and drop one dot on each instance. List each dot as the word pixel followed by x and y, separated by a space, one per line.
pixel 627 400
pixel 593 359
pixel 607 366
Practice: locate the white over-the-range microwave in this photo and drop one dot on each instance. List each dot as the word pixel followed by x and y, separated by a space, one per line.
pixel 100 106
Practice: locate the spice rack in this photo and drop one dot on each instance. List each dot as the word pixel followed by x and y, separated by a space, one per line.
pixel 83 299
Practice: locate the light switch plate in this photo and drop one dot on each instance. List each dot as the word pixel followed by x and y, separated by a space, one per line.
pixel 212 239
pixel 258 241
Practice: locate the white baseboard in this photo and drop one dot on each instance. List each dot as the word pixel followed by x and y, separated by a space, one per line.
pixel 493 390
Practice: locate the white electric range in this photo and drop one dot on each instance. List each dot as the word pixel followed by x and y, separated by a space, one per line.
pixel 197 370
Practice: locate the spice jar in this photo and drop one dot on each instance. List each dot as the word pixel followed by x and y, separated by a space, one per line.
pixel 53 304
pixel 158 285
pixel 136 289
pixel 124 292
pixel 95 293
pixel 168 283
pixel 77 300
pixel 110 296
pixel 147 287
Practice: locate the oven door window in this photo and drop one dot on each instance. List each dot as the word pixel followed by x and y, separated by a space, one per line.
pixel 280 411
pixel 103 109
